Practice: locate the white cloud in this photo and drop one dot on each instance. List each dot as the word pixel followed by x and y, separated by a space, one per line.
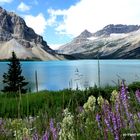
pixel 5 1
pixel 95 14
pixel 53 16
pixel 23 7
pixel 38 23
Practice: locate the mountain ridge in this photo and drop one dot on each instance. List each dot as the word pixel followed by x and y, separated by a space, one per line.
pixel 112 42
pixel 118 28
pixel 16 36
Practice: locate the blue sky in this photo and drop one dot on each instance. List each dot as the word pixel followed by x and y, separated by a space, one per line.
pixel 58 21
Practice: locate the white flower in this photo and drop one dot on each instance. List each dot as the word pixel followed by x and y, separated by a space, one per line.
pixel 100 100
pixel 67 128
pixel 90 104
pixel 114 95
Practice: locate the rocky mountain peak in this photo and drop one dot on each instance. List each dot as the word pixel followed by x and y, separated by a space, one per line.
pixel 116 29
pixel 16 36
pixel 125 43
pixel 85 34
pixel 13 26
pixel 82 37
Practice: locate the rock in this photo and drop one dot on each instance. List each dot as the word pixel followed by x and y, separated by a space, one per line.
pixel 14 31
pixel 85 34
pixel 119 28
pixel 125 43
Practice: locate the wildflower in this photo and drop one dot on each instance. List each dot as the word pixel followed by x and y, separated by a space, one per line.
pixel 100 100
pixel 115 127
pixel 108 124
pixel 51 125
pixel 35 136
pixel 106 101
pixel 138 95
pixel 118 116
pixel 89 123
pixel 124 99
pixel 114 95
pixel 107 110
pixel 67 129
pixel 53 130
pixel 98 119
pixel 25 131
pixel 90 104
pixel 66 112
pixel 46 136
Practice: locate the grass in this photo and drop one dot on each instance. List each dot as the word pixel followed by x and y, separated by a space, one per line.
pixel 47 101
pixel 34 112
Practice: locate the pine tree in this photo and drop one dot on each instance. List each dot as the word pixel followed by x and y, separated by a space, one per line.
pixel 13 79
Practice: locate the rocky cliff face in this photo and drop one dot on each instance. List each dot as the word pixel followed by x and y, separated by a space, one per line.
pixel 76 43
pixel 113 41
pixel 116 29
pixel 15 34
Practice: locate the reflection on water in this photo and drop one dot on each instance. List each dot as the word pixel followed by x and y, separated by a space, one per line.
pixel 56 75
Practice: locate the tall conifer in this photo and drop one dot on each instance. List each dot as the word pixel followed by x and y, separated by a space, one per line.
pixel 13 79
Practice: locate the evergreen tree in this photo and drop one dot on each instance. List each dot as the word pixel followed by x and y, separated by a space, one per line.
pixel 13 79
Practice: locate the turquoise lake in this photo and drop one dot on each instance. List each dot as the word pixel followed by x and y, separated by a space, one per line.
pixel 57 75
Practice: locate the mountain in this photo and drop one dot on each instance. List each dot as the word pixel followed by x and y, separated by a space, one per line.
pixel 118 29
pixel 16 36
pixel 111 42
pixel 76 44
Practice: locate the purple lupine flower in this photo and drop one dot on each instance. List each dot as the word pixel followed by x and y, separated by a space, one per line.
pixel 46 136
pixel 35 136
pixel 98 119
pixel 123 96
pixel 137 93
pixel 115 127
pixel 118 116
pixel 55 134
pixel 107 114
pixel 124 99
pixel 118 119
pixel 108 125
pixel 132 120
pixel 51 125
pixel 106 109
pixel 53 130
pixel 114 121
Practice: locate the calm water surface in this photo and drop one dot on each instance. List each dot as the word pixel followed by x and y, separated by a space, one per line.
pixel 56 75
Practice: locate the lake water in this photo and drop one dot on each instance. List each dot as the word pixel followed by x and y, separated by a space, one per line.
pixel 56 75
